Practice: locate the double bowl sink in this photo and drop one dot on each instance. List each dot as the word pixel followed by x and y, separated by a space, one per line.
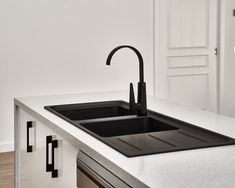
pixel 114 124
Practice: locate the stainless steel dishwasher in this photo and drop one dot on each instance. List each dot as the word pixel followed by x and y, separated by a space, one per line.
pixel 91 174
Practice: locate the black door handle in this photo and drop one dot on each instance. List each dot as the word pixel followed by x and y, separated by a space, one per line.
pixel 51 167
pixel 29 125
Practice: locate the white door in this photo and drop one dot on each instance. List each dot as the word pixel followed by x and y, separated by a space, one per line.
pixel 64 156
pixel 66 164
pixel 26 158
pixel 43 178
pixel 186 61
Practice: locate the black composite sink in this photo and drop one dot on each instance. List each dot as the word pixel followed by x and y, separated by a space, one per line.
pixel 90 110
pixel 112 123
pixel 93 113
pixel 127 126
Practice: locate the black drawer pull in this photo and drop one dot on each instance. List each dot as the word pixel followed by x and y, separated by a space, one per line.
pixel 29 125
pixel 51 167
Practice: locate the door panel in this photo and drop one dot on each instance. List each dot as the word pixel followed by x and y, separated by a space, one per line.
pixel 65 161
pixel 185 92
pixel 66 164
pixel 26 159
pixel 188 23
pixel 185 52
pixel 43 178
pixel 187 62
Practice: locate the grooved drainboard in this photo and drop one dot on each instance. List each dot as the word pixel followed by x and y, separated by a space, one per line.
pixel 152 135
pixel 166 141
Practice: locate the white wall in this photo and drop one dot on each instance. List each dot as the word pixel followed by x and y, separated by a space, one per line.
pixel 60 46
pixel 228 61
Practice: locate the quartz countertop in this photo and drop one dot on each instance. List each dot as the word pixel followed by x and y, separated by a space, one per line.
pixel 200 168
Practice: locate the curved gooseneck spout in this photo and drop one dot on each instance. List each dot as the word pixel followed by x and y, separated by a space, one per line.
pixel 141 106
pixel 141 61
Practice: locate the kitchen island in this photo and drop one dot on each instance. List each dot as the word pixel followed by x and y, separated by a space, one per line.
pixel 209 167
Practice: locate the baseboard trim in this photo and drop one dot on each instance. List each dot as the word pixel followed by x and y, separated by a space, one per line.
pixel 6 147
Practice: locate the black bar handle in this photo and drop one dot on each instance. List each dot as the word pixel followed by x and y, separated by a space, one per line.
pixel 54 172
pixel 29 125
pixel 51 167
pixel 48 166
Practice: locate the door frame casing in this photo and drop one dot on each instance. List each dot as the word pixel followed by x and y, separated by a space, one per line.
pixel 221 43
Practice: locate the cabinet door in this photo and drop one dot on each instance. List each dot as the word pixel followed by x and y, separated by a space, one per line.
pixel 26 153
pixel 66 164
pixel 64 156
pixel 43 178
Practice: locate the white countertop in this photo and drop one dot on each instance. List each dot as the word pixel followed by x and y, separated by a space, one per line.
pixel 202 168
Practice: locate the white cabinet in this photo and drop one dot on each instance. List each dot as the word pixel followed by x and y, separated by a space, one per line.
pixel 32 165
pixel 64 158
pixel 26 159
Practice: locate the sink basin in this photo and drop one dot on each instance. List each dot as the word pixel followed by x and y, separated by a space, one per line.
pixel 85 111
pixel 114 124
pixel 127 126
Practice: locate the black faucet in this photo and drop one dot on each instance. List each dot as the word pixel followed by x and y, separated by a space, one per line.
pixel 141 106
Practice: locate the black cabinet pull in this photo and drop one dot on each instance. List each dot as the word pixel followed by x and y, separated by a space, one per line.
pixel 29 125
pixel 48 166
pixel 51 167
pixel 54 172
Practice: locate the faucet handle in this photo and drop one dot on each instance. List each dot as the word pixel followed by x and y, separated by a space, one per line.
pixel 132 99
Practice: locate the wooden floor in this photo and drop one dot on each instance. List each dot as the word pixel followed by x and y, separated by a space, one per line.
pixel 7 170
